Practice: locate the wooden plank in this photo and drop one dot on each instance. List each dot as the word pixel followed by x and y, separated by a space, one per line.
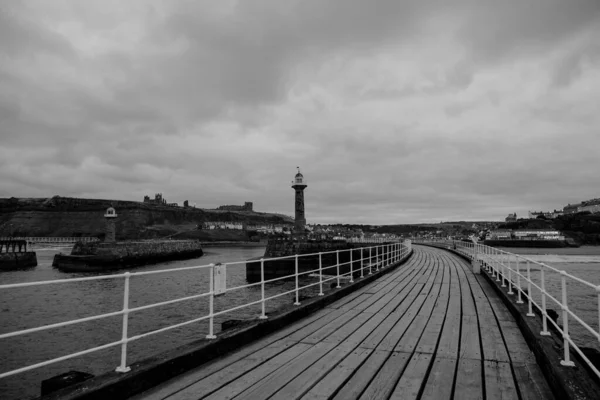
pixel 335 379
pixel 377 335
pixel 531 382
pixel 397 296
pixel 413 377
pixel 428 341
pixel 468 305
pixel 450 336
pixel 440 380
pixel 469 382
pixel 338 331
pixel 264 383
pixel 499 382
pixel 384 382
pixel 392 338
pixel 350 304
pixel 238 373
pixel 469 338
pixel 308 329
pixel 494 348
pixel 358 382
pixel 363 332
pixel 327 329
pixel 409 294
pixel 518 349
pixel 411 337
pixel 302 383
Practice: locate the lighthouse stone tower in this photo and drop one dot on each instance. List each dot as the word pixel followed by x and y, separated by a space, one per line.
pixel 110 216
pixel 299 184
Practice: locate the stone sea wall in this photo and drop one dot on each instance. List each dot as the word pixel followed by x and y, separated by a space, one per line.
pixel 98 257
pixel 125 249
pixel 17 260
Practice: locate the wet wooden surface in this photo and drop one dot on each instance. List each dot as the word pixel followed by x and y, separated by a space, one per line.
pixel 429 330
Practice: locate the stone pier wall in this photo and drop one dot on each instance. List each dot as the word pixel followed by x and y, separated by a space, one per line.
pixel 18 260
pixel 124 249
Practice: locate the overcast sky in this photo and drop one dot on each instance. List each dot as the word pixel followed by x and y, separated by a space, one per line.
pixel 396 111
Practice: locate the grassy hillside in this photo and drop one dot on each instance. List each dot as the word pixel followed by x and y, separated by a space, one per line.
pixel 64 216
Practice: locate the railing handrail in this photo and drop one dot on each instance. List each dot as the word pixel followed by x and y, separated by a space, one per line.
pixel 379 256
pixel 498 263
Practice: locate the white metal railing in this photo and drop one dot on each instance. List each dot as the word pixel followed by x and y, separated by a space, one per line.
pixel 371 258
pixel 510 269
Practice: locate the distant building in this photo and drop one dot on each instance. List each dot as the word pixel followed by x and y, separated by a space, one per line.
pixel 248 206
pixel 548 215
pixel 511 217
pixel 158 199
pixel 571 208
pixel 186 204
pixel 592 206
pixel 499 234
pixel 547 234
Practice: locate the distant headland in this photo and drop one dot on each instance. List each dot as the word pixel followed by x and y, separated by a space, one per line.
pixel 149 219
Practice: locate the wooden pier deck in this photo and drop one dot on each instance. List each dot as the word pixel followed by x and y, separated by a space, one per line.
pixel 430 330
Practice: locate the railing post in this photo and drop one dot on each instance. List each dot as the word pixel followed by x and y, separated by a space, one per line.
pixel 297 303
pixel 565 308
pixel 263 314
pixel 530 311
pixel 211 303
pixel 320 274
pixel 351 268
pixel 544 331
pixel 519 300
pixel 376 258
pixel 123 367
pixel 498 265
pixel 598 291
pixel 504 272
pixel 510 291
pixel 475 261
pixel 337 256
pixel 370 260
pixel 362 268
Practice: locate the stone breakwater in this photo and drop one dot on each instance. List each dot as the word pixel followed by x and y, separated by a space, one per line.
pixel 17 260
pixel 110 256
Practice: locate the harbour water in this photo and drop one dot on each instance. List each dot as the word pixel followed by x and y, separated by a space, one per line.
pixel 582 262
pixel 30 307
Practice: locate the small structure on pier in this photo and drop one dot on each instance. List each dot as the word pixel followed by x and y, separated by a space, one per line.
pixel 110 216
pixel 14 254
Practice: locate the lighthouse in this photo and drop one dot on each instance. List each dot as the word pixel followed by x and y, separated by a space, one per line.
pixel 299 184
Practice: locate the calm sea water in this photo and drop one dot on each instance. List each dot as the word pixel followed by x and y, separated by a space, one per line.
pixel 582 262
pixel 41 305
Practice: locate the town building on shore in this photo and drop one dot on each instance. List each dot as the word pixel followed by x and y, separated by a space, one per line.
pixel 511 217
pixel 248 206
pixel 592 206
pixel 499 234
pixel 545 214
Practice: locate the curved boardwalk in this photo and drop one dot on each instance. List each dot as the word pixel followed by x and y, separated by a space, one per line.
pixel 429 330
